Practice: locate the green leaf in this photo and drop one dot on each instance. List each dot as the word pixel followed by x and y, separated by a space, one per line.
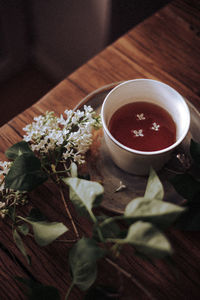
pixel 20 245
pixel 46 232
pixel 25 173
pixel 83 193
pixel 24 228
pixel 73 170
pixel 154 189
pixel 39 291
pixel 12 213
pixel 82 260
pixel 111 230
pixel 148 240
pixel 153 210
pixel 36 215
pixel 195 151
pixel 187 186
pixel 18 149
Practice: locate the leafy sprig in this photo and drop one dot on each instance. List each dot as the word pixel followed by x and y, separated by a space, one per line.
pixel 187 184
pixel 146 215
pixel 52 150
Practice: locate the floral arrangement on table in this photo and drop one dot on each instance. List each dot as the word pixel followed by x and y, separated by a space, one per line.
pixel 53 148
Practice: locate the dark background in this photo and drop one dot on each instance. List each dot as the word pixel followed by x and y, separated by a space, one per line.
pixel 42 42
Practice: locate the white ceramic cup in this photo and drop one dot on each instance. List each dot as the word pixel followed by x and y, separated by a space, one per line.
pixel 135 161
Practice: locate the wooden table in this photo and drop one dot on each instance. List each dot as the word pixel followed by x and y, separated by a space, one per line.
pixel 165 47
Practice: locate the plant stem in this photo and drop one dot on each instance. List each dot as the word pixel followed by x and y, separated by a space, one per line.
pixel 174 171
pixel 57 182
pixel 98 229
pixel 68 213
pixel 67 241
pixel 58 172
pixel 69 291
pixel 45 169
pixel 110 220
pixel 128 275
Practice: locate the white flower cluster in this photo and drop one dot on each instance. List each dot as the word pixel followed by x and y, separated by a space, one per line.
pixel 4 168
pixel 73 134
pixel 9 197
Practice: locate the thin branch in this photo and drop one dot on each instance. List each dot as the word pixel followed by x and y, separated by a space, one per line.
pixel 98 229
pixel 68 213
pixel 111 219
pixel 69 291
pixel 128 275
pixel 67 241
pixel 174 171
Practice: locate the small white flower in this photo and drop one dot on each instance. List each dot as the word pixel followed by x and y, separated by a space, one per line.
pixel 138 132
pixel 140 117
pixel 88 109
pixel 155 126
pixel 2 204
pixel 120 187
pixel 61 120
pixel 5 167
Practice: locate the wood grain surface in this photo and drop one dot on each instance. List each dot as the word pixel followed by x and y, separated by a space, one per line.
pixel 165 47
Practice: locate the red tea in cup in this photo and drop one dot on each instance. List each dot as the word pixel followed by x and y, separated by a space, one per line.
pixel 143 126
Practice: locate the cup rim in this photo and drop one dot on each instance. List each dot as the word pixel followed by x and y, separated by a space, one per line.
pixel 134 151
